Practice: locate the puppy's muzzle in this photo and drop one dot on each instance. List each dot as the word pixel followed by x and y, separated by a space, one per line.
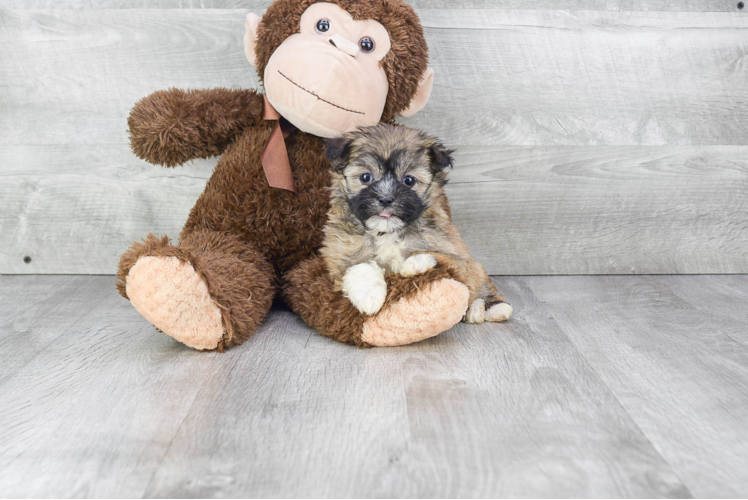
pixel 386 199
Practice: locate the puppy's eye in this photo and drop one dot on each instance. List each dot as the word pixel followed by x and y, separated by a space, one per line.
pixel 409 180
pixel 366 44
pixel 323 26
pixel 365 178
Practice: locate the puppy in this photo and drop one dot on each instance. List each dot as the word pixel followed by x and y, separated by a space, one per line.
pixel 389 213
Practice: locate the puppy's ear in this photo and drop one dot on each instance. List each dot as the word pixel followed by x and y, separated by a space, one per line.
pixel 338 151
pixel 441 157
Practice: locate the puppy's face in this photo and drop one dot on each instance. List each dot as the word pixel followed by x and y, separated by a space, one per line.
pixel 389 175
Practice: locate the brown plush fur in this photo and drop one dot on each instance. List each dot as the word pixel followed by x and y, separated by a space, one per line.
pixel 310 287
pixel 244 238
pixel 232 271
pixel 408 152
pixel 170 127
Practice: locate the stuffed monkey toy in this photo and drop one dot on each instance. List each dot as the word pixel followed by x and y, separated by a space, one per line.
pixel 327 68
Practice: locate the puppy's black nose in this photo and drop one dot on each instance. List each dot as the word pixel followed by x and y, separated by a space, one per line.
pixel 386 199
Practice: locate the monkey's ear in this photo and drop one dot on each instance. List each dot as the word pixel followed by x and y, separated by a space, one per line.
pixel 441 157
pixel 422 94
pixel 250 37
pixel 338 151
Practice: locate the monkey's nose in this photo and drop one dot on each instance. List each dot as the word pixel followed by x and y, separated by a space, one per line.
pixel 343 44
pixel 386 199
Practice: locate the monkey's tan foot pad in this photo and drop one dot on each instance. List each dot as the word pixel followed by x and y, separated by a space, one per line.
pixel 436 308
pixel 172 296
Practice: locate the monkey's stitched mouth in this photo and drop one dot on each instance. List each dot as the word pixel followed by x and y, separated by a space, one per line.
pixel 318 97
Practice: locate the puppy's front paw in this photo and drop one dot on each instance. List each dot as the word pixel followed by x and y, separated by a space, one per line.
pixel 499 312
pixel 365 287
pixel 417 264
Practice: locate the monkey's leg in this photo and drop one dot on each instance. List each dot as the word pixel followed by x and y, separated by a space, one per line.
pixel 210 292
pixel 415 309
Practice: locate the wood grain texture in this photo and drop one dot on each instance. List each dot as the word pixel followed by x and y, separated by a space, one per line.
pixel 256 5
pixel 522 210
pixel 71 76
pixel 604 210
pixel 587 77
pixel 722 301
pixel 531 78
pixel 36 312
pixel 91 413
pixel 76 208
pixel 596 140
pixel 675 358
pixel 114 408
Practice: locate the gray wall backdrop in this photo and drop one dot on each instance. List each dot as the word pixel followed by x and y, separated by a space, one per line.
pixel 593 136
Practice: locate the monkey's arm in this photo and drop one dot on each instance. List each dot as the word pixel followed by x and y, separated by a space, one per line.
pixel 170 127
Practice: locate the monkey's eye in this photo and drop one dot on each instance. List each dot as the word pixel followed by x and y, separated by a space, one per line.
pixel 366 178
pixel 366 44
pixel 323 26
pixel 409 180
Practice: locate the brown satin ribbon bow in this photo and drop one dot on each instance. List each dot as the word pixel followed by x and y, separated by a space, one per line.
pixel 275 157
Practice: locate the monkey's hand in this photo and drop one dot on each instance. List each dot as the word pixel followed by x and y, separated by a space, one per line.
pixel 417 264
pixel 365 287
pixel 170 127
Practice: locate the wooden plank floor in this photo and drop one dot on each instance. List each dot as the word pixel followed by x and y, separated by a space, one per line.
pixel 606 386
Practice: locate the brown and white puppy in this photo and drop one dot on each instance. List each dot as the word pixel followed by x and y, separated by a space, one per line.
pixel 389 213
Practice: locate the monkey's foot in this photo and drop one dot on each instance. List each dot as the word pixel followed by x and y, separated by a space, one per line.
pixel 171 295
pixel 436 308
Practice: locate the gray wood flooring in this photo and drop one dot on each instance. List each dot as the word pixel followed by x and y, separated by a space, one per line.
pixel 605 386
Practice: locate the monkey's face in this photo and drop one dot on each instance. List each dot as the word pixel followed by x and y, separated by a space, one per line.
pixel 327 79
pixel 388 175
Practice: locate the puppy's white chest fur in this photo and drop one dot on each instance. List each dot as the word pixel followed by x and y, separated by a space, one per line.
pixel 389 251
